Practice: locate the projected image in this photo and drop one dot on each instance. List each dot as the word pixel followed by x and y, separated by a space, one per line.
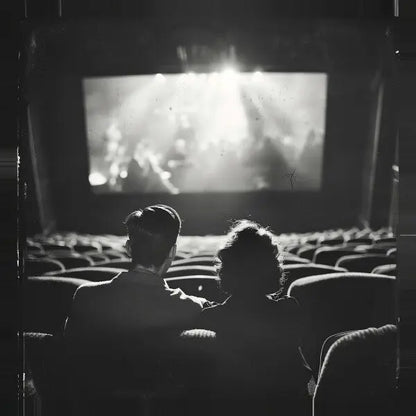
pixel 213 132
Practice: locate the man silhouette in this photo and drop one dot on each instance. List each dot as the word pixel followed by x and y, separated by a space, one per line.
pixel 138 300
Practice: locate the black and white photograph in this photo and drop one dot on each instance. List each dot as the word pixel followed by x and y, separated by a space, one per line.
pixel 209 216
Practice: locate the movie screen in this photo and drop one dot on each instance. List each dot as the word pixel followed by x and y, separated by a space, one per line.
pixel 206 132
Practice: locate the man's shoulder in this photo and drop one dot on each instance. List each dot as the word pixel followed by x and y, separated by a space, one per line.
pixel 91 288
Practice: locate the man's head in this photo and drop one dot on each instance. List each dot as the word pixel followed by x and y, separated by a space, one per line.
pixel 152 234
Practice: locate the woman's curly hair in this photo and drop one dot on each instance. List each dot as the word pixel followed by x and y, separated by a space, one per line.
pixel 249 261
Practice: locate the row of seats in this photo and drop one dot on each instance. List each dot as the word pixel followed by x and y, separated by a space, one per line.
pixel 194 269
pixel 357 375
pixel 331 302
pixel 335 299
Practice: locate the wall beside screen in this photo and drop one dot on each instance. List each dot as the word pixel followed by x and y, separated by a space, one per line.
pixel 346 56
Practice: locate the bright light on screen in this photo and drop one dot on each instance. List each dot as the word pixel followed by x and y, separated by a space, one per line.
pixel 216 132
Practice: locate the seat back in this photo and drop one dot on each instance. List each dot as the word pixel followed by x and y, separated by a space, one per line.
pixel 56 247
pixel 92 274
pixel 388 269
pixel 47 302
pixel 392 252
pixel 297 271
pixel 330 255
pixel 71 262
pixel 340 301
pixel 181 271
pixel 362 262
pixel 38 267
pixel 195 261
pixel 359 374
pixel 307 252
pixel 118 264
pixel 328 344
pixel 295 260
pixel 87 248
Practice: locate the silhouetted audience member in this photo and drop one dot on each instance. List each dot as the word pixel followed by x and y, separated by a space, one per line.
pixel 259 337
pixel 137 300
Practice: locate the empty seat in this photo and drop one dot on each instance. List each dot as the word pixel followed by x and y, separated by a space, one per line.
pixel 47 301
pixel 361 240
pixel 340 302
pixel 198 261
pixel 307 252
pixel 55 247
pixel 297 271
pixel 34 247
pixel 392 252
pixel 293 249
pixel 198 285
pixel 330 255
pixel 180 271
pixel 97 257
pixel 331 241
pixel 385 240
pixel 93 274
pixel 73 261
pixel 114 254
pixel 388 269
pixel 358 376
pixel 38 267
pixel 295 260
pixel 374 249
pixel 120 264
pixel 362 262
pixel 87 248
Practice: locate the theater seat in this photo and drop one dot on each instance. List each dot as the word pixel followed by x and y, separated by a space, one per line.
pixel 87 248
pixel 331 241
pixel 307 252
pixel 362 262
pixel 298 271
pixel 392 252
pixel 73 261
pixel 47 301
pixel 340 302
pixel 195 261
pixel 38 267
pixel 385 240
pixel 33 247
pixel 295 260
pixel 196 348
pixel 387 269
pixel 56 247
pixel 44 368
pixel 180 271
pixel 93 274
pixel 198 285
pixel 97 257
pixel 115 254
pixel 358 375
pixel 330 255
pixel 328 344
pixel 120 264
pixel 361 240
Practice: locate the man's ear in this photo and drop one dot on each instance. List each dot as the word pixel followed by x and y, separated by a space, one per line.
pixel 127 246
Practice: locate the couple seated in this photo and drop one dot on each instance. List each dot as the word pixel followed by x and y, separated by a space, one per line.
pixel 261 333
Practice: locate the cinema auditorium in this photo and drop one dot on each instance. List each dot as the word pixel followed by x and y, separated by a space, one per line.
pixel 211 212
